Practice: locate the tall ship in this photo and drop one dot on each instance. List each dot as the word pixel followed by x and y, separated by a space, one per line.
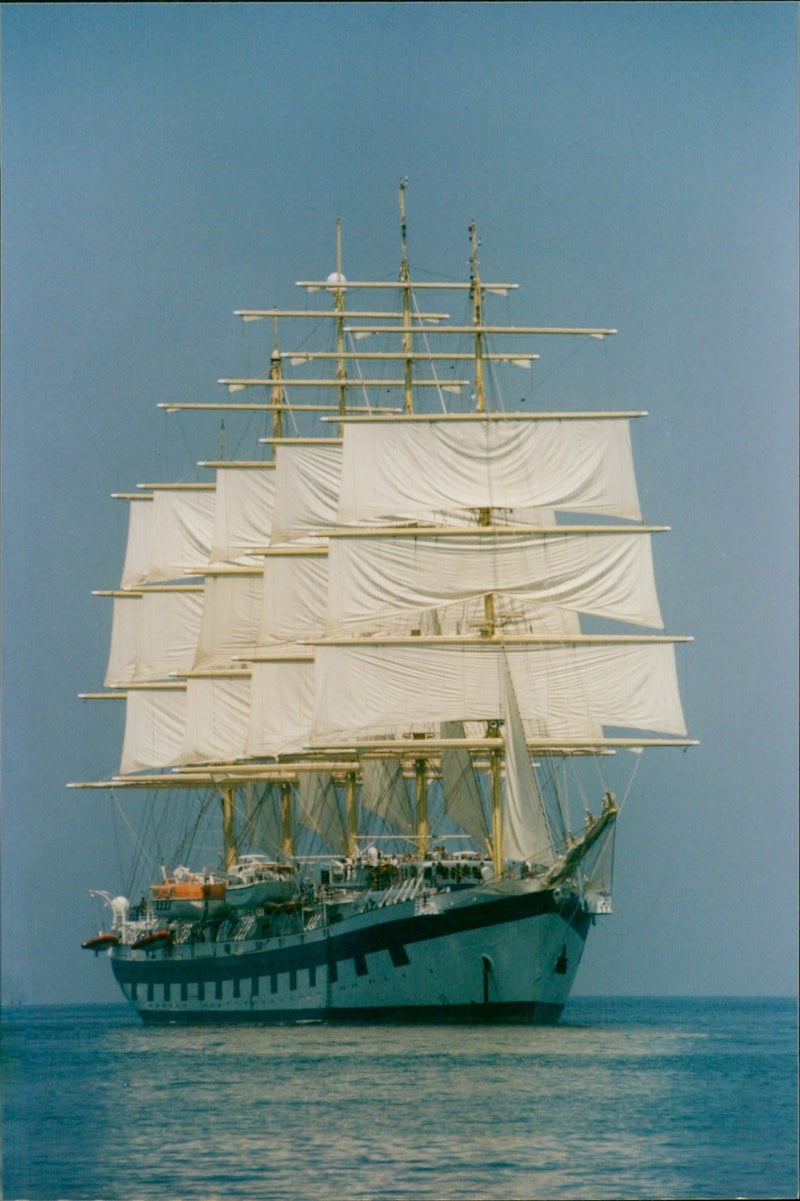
pixel 391 653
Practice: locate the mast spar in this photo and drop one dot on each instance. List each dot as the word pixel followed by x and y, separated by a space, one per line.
pixel 485 519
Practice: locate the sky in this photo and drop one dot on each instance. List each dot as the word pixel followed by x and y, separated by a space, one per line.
pixel 632 166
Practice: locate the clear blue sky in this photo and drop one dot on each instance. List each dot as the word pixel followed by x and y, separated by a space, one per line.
pixel 629 165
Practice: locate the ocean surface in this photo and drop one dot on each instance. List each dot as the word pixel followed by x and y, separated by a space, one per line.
pixel 625 1099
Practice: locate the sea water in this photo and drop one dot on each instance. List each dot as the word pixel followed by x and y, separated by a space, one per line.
pixel 624 1099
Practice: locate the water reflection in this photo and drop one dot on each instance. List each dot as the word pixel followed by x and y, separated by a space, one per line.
pixel 596 1108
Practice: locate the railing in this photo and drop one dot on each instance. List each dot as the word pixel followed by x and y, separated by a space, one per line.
pixel 405 891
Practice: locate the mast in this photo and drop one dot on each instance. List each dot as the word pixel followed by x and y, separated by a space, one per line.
pixel 287 832
pixel 352 814
pixel 421 787
pixel 495 770
pixel 485 520
pixel 405 279
pixel 228 796
pixel 477 320
pixel 420 765
pixel 276 392
pixel 341 371
pixel 484 514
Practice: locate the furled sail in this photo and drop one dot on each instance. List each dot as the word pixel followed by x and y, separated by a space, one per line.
pixel 418 468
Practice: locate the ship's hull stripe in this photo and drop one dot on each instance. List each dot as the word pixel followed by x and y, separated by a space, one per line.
pixel 528 1012
pixel 387 935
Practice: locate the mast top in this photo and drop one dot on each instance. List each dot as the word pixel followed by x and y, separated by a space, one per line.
pixel 404 273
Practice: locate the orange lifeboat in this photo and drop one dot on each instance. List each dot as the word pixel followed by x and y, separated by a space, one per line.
pixel 100 942
pixel 187 896
pixel 156 938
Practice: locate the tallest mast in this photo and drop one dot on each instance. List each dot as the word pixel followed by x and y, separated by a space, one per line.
pixel 477 319
pixel 485 519
pixel 341 372
pixel 405 279
pixel 420 765
pixel 476 295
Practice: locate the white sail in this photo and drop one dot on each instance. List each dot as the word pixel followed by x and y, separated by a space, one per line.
pixel 319 809
pixel 155 721
pixel 281 705
pixel 263 817
pixel 125 623
pixel 294 597
pixel 462 794
pixel 514 614
pixel 526 831
pixel 168 632
pixel 139 549
pixel 217 708
pixel 385 793
pixel 154 634
pixel 536 516
pixel 420 468
pixel 563 691
pixel 231 616
pixel 243 511
pixel 307 480
pixel 606 575
pixel 183 520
